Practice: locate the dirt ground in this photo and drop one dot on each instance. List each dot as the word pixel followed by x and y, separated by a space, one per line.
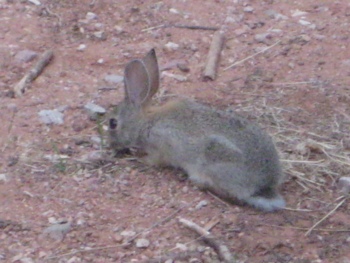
pixel 61 200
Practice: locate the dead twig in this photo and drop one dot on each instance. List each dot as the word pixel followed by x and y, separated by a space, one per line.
pixel 192 27
pixel 220 248
pixel 257 53
pixel 196 27
pixel 24 83
pixel 214 56
pixel 325 217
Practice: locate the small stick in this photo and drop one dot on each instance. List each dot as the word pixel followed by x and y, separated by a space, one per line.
pixel 196 27
pixel 241 61
pixel 220 248
pixel 325 217
pixel 24 83
pixel 182 26
pixel 214 56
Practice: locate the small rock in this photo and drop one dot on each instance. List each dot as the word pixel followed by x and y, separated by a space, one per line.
pixel 3 178
pixel 94 157
pixel 181 246
pixel 118 238
pixel 101 35
pixel 142 243
pixel 35 2
pixel 319 37
pixel 302 39
pixel 344 185
pixel 183 67
pixel 174 11
pixel 201 204
pixel 171 46
pixel 263 38
pixel 304 22
pixel 100 61
pixel 128 233
pixel 175 76
pixel 81 47
pixel 113 79
pixel 12 107
pixel 242 30
pixel 298 13
pixel 57 231
pixel 346 62
pixel 74 260
pixel 90 16
pixel 51 116
pixel 275 15
pixel 25 56
pixel 94 111
pixel 248 9
pixel 185 189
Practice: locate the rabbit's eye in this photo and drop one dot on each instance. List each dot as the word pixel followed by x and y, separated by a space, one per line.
pixel 113 123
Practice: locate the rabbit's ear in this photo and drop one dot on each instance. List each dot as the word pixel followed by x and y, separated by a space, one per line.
pixel 151 64
pixel 137 83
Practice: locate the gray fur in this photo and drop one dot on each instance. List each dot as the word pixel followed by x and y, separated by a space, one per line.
pixel 220 152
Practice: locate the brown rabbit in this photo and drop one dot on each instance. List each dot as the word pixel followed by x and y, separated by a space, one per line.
pixel 220 152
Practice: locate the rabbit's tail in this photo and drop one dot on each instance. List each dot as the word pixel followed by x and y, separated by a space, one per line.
pixel 266 204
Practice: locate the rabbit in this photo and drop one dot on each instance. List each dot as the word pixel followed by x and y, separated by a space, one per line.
pixel 220 152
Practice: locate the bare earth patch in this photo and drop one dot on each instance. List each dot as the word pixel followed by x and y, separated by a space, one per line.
pixel 63 198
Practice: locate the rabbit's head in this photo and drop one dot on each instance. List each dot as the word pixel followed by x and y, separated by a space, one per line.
pixel 141 82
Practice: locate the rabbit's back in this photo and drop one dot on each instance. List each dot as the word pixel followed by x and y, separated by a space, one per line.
pixel 239 155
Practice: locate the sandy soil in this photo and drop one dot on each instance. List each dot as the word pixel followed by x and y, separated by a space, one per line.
pixel 61 200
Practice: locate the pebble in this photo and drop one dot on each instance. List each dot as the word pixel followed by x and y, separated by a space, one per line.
pixel 304 22
pixel 201 204
pixel 344 185
pixel 100 35
pixel 171 46
pixel 118 238
pixel 181 246
pixel 3 178
pixel 94 156
pixel 57 231
pixel 12 107
pixel 81 47
pixel 128 233
pixel 90 16
pixel 262 38
pixel 275 15
pixel 248 9
pixel 113 79
pixel 298 13
pixel 74 259
pixel 183 67
pixel 142 243
pixel 174 11
pixel 25 56
pixel 242 30
pixel 51 116
pixel 175 76
pixel 94 111
pixel 35 2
